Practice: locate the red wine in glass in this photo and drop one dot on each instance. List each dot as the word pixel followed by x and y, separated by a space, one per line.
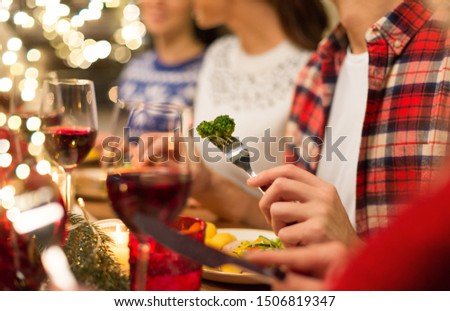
pixel 158 192
pixel 74 102
pixel 68 146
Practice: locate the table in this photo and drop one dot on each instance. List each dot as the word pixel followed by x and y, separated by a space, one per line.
pixel 100 209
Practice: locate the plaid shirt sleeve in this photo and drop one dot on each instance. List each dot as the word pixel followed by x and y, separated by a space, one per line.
pixel 405 134
pixel 313 94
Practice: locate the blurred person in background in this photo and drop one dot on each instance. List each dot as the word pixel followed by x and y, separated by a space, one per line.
pixel 250 76
pixel 168 71
pixel 373 106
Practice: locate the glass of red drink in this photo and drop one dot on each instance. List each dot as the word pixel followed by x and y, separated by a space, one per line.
pixel 68 140
pixel 168 270
pixel 149 174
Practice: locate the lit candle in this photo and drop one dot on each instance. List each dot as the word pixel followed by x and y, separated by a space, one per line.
pixel 120 235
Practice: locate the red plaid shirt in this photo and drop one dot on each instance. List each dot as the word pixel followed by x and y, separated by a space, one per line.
pixel 406 127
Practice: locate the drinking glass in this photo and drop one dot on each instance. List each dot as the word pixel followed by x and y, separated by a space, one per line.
pixel 68 141
pixel 166 269
pixel 152 178
pixel 32 216
pixel 28 111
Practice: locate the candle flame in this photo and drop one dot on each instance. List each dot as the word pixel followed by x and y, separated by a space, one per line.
pixel 119 235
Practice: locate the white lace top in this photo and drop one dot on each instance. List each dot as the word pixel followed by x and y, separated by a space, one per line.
pixel 256 91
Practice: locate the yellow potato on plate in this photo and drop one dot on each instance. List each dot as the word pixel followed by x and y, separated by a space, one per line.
pixel 230 268
pixel 211 230
pixel 220 240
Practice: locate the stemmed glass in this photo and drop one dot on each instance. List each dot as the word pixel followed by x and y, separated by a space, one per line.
pixel 73 103
pixel 153 177
pixel 32 216
pixel 28 112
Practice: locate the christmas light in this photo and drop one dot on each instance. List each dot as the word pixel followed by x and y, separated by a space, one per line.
pixel 103 49
pixel 131 12
pixel 8 192
pixel 33 55
pixel 4 15
pixel 17 69
pixel 14 122
pixel 35 150
pixel 60 27
pixel 31 73
pixel 5 160
pixel 38 138
pixel 4 145
pixel 33 123
pixel 23 171
pixel 43 167
pixel 5 85
pixel 14 44
pixel 9 58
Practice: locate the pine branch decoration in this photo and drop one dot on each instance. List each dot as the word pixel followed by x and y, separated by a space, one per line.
pixel 90 257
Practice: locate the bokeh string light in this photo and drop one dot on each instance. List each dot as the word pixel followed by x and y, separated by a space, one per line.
pixel 11 158
pixel 61 26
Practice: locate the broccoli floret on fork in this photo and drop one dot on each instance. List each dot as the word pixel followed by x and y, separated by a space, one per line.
pixel 219 131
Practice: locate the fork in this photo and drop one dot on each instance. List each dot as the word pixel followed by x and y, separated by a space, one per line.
pixel 236 152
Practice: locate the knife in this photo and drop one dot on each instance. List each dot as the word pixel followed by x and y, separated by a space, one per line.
pixel 198 251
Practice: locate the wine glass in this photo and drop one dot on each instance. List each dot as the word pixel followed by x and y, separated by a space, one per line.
pixel 28 111
pixel 153 177
pixel 32 216
pixel 68 141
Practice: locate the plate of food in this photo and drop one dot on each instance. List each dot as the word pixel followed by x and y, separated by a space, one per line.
pixel 237 242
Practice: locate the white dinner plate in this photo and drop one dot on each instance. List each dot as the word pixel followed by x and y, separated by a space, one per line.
pixel 237 278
